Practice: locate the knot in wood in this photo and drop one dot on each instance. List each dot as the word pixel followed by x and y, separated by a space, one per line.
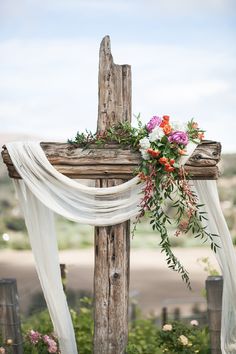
pixel 116 275
pixel 197 157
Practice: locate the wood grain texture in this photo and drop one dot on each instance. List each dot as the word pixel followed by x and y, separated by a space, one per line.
pixel 111 161
pixel 112 244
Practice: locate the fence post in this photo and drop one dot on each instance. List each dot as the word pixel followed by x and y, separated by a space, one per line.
pixel 164 315
pixel 63 275
pixel 214 290
pixel 9 316
pixel 177 314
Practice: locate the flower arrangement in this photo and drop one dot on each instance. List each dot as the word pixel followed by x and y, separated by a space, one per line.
pixel 161 143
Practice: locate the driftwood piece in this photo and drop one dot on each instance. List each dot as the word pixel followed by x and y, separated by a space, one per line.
pixel 111 161
pixel 112 244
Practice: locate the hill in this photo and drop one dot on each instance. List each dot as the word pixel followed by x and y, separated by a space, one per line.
pixel 72 235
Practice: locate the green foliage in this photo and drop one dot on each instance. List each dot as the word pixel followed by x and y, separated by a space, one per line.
pixel 15 224
pixel 83 325
pixel 122 133
pixel 144 335
pixel 40 321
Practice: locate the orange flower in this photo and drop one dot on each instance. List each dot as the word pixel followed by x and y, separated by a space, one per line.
pixel 200 136
pixel 165 121
pixel 163 160
pixel 167 129
pixel 168 168
pixel 172 161
pixel 153 153
pixel 166 118
pixel 181 152
pixel 194 125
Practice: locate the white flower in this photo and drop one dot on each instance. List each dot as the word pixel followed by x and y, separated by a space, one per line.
pixel 194 323
pixel 179 126
pixel 144 154
pixel 167 327
pixel 144 143
pixel 183 340
pixel 156 134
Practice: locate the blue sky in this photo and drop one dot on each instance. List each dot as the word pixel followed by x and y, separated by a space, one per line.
pixel 182 54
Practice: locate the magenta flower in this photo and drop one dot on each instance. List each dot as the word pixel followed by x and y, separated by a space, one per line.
pixel 153 123
pixel 178 137
pixel 34 336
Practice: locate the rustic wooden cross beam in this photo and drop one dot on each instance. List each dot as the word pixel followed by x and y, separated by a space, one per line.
pixel 111 165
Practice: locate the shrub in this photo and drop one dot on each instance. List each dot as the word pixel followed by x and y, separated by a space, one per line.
pixel 144 335
pixel 179 338
pixel 15 224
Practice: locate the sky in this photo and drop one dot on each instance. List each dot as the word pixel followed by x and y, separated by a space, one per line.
pixel 182 53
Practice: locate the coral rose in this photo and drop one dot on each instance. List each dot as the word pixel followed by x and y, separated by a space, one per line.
pixel 167 129
pixel 163 160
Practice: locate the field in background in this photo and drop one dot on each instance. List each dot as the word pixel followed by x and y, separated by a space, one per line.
pixel 72 235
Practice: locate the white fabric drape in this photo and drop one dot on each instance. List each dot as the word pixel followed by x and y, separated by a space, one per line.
pixel 40 224
pixel 208 194
pixel 43 190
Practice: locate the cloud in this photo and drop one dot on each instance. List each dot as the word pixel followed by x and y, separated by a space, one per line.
pixel 50 86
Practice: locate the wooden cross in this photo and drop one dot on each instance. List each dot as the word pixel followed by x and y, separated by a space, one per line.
pixel 109 166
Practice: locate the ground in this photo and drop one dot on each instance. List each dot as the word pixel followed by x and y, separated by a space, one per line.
pixel 152 284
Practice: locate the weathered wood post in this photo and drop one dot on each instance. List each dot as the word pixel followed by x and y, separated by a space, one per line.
pixel 214 289
pixel 10 327
pixel 112 244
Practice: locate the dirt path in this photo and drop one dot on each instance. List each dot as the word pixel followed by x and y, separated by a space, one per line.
pixel 151 283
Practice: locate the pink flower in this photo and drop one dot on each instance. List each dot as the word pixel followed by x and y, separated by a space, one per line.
pixel 46 338
pixel 153 123
pixel 34 336
pixel 52 348
pixel 178 137
pixel 2 350
pixel 52 345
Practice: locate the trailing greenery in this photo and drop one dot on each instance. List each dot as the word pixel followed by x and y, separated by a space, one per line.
pixel 161 143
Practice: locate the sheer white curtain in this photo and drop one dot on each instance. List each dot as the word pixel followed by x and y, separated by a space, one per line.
pixel 40 224
pixel 43 191
pixel 208 195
